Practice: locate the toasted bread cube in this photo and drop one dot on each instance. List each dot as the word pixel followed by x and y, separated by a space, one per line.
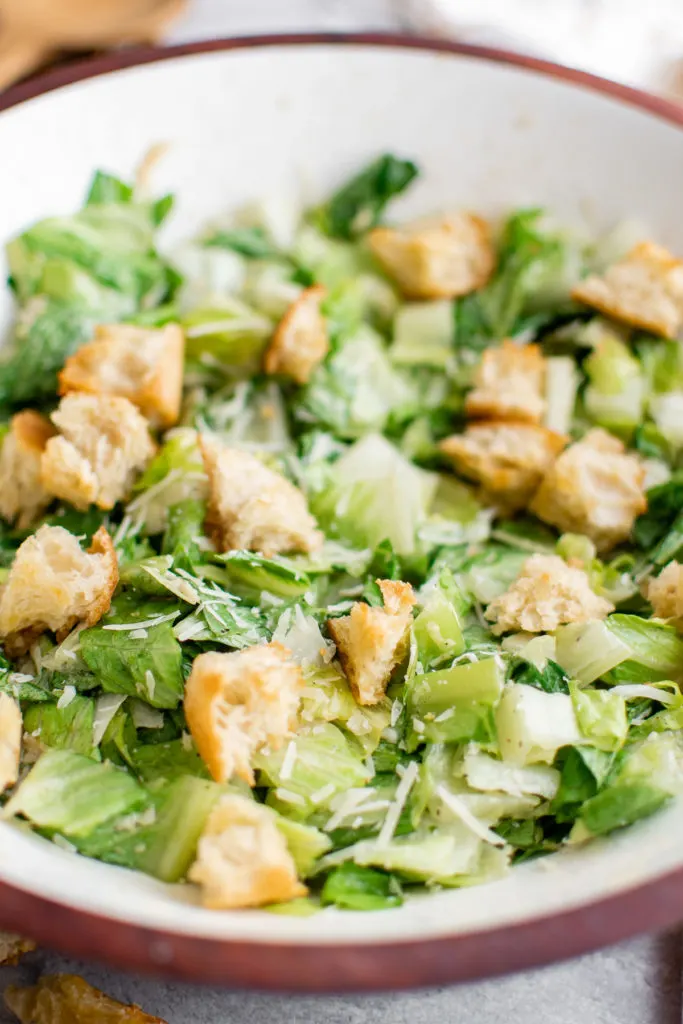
pixel 22 495
pixel 546 594
pixel 371 642
pixel 104 443
pixel 665 594
pixel 13 947
pixel 439 258
pixel 141 364
pixel 237 703
pixel 593 488
pixel 508 460
pixel 509 384
pixel 10 740
pixel 644 289
pixel 252 507
pixel 300 341
pixel 69 999
pixel 242 858
pixel 53 584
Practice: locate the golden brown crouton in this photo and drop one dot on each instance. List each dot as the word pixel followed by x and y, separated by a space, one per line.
pixel 141 364
pixel 509 384
pixel 507 459
pixel 103 444
pixel 593 488
pixel 68 999
pixel 53 584
pixel 12 948
pixel 242 858
pixel 237 703
pixel 372 641
pixel 546 594
pixel 644 289
pixel 11 729
pixel 665 594
pixel 252 506
pixel 438 258
pixel 22 495
pixel 300 341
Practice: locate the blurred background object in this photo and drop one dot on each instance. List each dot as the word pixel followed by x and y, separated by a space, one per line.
pixel 627 40
pixel 33 32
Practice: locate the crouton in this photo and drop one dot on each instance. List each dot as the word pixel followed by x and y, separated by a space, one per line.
pixel 665 594
pixel 141 364
pixel 508 460
pixel 242 858
pixel 69 999
pixel 593 488
pixel 237 703
pixel 252 507
pixel 546 594
pixel 644 289
pixel 300 341
pixel 12 948
pixel 11 729
pixel 372 641
pixel 22 495
pixel 53 584
pixel 509 384
pixel 103 444
pixel 439 258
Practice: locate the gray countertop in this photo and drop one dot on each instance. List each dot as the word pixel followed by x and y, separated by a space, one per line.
pixel 638 982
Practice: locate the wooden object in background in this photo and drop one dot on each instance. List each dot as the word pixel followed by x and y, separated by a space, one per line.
pixel 32 32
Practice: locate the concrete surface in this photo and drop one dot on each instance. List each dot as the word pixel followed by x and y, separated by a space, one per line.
pixel 638 982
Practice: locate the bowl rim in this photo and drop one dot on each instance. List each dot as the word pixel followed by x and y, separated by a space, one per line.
pixel 344 967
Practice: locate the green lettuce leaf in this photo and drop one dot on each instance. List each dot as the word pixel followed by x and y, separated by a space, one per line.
pixel 69 727
pixel 359 204
pixel 147 666
pixel 162 838
pixel 352 887
pixel 72 794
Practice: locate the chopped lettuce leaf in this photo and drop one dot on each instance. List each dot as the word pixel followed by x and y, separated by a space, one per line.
pixel 160 839
pixel 325 763
pixel 375 494
pixel 618 806
pixel 135 651
pixel 66 724
pixel 358 205
pixel 533 725
pixel 69 793
pixel 601 715
pixel 352 887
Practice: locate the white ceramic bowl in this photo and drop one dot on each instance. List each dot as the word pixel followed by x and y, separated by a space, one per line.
pixel 256 117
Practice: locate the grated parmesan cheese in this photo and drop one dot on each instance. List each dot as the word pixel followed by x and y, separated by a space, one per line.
pixel 350 803
pixel 147 624
pixel 288 761
pixel 322 794
pixel 462 811
pixel 68 694
pixel 106 707
pixel 64 844
pixel 396 808
pixel 288 797
pixel 150 683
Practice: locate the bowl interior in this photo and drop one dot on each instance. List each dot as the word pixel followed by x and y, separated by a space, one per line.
pixel 294 120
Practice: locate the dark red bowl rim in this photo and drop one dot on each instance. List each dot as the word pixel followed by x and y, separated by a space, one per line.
pixel 290 967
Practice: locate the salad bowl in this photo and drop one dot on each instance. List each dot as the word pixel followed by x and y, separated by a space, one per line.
pixel 240 120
